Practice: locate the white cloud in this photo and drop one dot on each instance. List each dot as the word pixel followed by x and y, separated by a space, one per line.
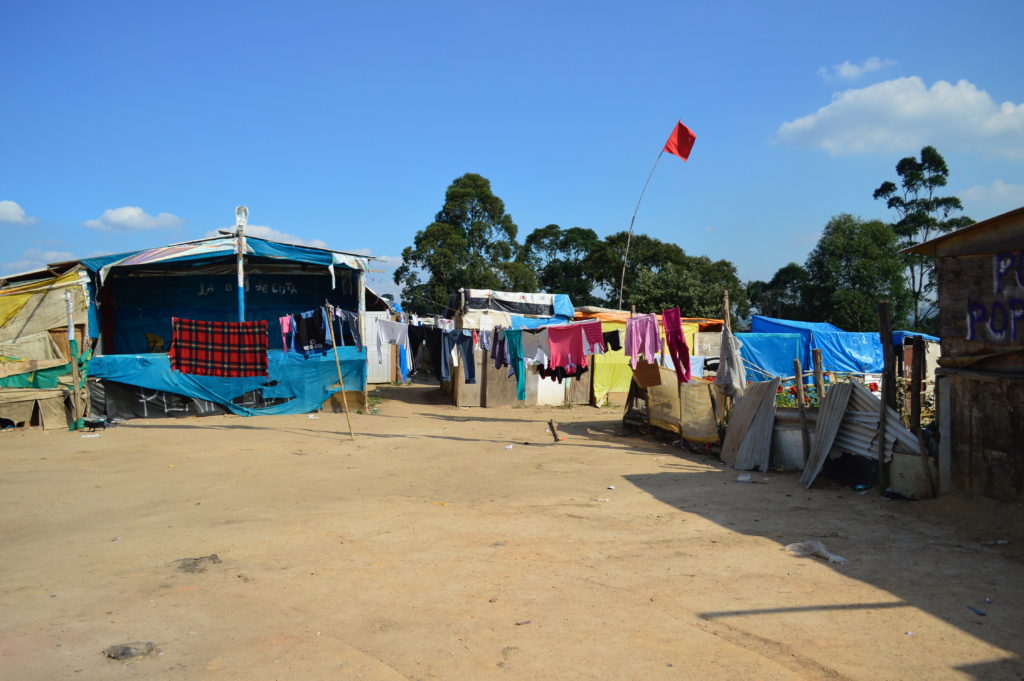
pixel 848 71
pixel 903 115
pixel 128 218
pixel 993 199
pixel 271 234
pixel 11 212
pixel 34 259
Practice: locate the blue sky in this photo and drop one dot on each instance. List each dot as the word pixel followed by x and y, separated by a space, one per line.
pixel 125 124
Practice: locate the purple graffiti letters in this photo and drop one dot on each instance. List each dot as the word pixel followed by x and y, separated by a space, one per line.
pixel 1016 306
pixel 1005 263
pixel 976 314
pixel 1001 320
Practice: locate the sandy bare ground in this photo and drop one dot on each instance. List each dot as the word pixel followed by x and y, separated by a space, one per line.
pixel 427 550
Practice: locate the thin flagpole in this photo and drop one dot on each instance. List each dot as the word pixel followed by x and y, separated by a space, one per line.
pixel 629 236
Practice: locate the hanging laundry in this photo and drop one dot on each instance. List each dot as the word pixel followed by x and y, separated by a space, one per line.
pixel 287 323
pixel 499 349
pixel 642 337
pixel 676 343
pixel 310 334
pixel 350 321
pixel 462 341
pixel 593 336
pixel 612 340
pixel 560 373
pixel 218 348
pixel 485 340
pixel 731 376
pixel 391 333
pixel 567 346
pixel 536 347
pixel 514 341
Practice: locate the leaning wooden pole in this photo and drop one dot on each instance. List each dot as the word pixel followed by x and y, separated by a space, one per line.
pixel 805 432
pixel 337 363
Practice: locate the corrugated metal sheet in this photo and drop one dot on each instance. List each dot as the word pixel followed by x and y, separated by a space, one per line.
pixel 830 417
pixel 748 440
pixel 858 433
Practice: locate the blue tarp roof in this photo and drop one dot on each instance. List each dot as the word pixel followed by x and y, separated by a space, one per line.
pixel 899 336
pixel 217 248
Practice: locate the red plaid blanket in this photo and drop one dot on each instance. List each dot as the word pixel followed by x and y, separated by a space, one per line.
pixel 218 348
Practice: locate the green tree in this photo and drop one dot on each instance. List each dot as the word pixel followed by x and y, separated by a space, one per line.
pixel 855 264
pixel 921 216
pixel 782 296
pixel 694 285
pixel 471 244
pixel 563 260
pixel 646 254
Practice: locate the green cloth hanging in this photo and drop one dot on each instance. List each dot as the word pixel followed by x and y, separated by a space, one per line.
pixel 514 338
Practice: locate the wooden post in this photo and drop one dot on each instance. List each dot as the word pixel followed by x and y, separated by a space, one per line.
pixel 341 379
pixel 361 307
pixel 819 375
pixel 805 433
pixel 76 393
pixel 916 380
pixel 726 313
pixel 888 388
pixel 916 383
pixel 483 370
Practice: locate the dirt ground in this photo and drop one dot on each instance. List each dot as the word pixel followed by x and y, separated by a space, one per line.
pixel 428 549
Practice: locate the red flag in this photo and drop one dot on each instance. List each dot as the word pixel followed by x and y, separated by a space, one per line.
pixel 680 142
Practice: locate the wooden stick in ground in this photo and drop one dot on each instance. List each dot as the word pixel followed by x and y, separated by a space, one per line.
pixel 341 379
pixel 554 429
pixel 819 375
pixel 726 315
pixel 805 434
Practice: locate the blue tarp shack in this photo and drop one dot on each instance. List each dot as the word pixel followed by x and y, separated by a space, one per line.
pixel 133 297
pixel 841 351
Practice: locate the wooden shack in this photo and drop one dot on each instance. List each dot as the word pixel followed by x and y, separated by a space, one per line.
pixel 980 380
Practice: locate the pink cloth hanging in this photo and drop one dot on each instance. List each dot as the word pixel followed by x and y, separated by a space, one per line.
pixel 566 346
pixel 642 338
pixel 676 342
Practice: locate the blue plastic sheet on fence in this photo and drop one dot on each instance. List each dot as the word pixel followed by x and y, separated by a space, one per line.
pixel 303 383
pixel 771 352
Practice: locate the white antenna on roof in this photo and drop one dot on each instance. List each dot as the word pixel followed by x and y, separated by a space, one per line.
pixel 241 219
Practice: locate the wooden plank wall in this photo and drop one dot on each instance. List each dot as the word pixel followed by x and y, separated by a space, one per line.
pixel 987 435
pixel 981 301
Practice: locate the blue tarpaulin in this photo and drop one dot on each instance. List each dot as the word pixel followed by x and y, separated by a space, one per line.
pixel 303 383
pixel 771 352
pixel 841 351
pixel 899 336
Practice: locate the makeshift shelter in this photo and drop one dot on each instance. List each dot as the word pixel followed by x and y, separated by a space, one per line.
pixel 42 353
pixel 980 273
pixel 484 309
pixel 135 296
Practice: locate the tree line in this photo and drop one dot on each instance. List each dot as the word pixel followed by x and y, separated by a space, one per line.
pixel 474 243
